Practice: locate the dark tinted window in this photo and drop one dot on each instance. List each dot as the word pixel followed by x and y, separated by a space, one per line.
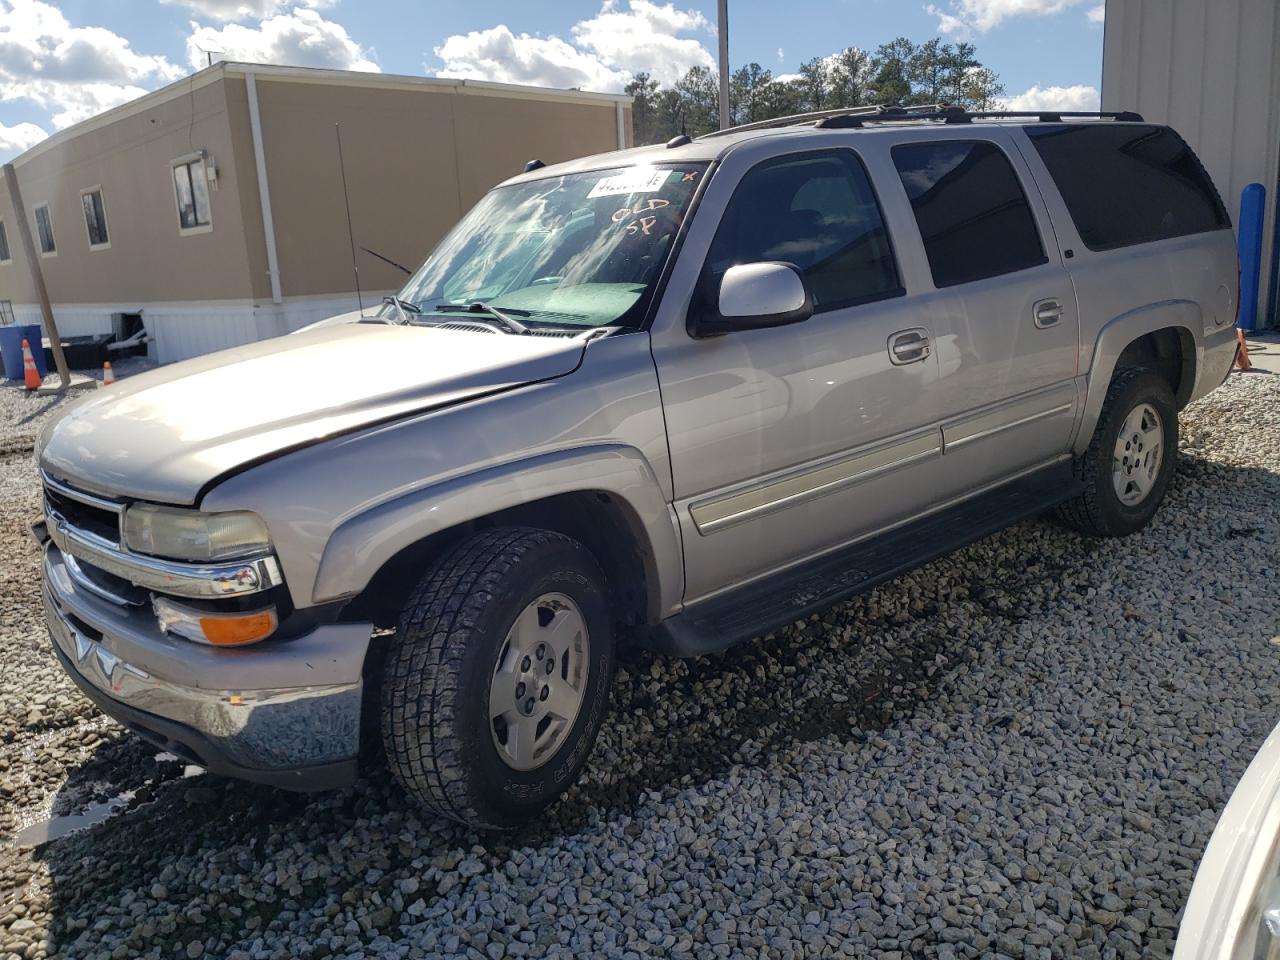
pixel 973 215
pixel 818 212
pixel 95 217
pixel 44 227
pixel 4 244
pixel 1126 184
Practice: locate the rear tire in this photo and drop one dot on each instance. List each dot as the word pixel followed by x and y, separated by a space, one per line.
pixel 1130 460
pixel 459 690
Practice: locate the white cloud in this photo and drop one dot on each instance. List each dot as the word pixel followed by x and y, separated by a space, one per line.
pixel 74 72
pixel 19 137
pixel 605 51
pixel 1097 14
pixel 965 16
pixel 300 38
pixel 644 38
pixel 498 54
pixel 243 9
pixel 1078 97
pixel 782 56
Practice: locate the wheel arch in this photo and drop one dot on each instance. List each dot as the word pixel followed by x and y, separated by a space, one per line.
pixel 607 498
pixel 1163 337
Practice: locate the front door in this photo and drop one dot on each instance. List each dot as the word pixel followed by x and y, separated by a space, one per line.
pixel 788 441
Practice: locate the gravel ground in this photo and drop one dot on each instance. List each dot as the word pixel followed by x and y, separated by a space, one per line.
pixel 1019 750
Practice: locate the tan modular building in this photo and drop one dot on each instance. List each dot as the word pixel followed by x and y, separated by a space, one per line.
pixel 1211 69
pixel 216 207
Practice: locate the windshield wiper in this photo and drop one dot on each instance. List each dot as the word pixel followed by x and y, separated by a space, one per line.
pixel 503 316
pixel 403 307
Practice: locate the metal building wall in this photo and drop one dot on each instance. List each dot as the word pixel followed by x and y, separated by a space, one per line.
pixel 1210 69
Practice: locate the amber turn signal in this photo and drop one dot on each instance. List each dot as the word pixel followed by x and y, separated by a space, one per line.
pixel 216 629
pixel 232 631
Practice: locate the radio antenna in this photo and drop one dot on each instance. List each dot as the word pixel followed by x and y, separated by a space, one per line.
pixel 346 199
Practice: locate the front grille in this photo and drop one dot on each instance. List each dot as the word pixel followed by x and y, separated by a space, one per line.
pixel 111 587
pixel 82 515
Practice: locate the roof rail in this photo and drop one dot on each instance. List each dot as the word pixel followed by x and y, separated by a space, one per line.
pixel 855 117
pixel 959 115
pixel 796 119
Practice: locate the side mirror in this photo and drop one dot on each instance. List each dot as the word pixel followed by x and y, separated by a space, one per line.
pixel 754 296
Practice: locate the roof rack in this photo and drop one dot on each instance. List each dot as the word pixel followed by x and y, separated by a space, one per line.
pixel 797 119
pixel 857 117
pixel 956 115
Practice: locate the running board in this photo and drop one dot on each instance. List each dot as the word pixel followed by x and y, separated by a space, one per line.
pixel 766 605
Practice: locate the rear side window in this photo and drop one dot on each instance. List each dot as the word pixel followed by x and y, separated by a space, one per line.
pixel 1125 184
pixel 972 212
pixel 816 211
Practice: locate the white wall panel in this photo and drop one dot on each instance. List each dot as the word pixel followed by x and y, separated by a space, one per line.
pixel 184 330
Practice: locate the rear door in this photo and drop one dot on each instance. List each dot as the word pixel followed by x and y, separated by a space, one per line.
pixel 1007 328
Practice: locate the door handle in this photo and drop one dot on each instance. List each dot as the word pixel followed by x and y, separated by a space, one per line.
pixel 1047 313
pixel 908 346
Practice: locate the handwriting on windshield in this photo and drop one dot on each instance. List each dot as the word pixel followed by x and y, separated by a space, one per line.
pixel 654 203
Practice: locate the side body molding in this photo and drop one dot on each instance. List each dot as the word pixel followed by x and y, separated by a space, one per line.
pixel 1118 333
pixel 363 543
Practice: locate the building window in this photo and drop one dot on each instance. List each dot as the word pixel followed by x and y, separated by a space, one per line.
pixel 973 215
pixel 191 190
pixel 95 217
pixel 5 256
pixel 44 228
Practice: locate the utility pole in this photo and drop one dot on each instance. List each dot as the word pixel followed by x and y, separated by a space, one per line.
pixel 37 275
pixel 723 22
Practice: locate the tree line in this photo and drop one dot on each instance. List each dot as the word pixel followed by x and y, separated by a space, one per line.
pixel 899 72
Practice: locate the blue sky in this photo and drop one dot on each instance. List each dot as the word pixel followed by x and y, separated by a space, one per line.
pixel 63 61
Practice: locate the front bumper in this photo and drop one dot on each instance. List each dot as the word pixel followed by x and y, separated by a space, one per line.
pixel 285 713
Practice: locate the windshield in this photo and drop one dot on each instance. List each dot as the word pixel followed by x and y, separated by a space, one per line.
pixel 583 249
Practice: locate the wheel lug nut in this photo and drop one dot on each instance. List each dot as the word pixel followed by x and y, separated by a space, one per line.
pixel 526 663
pixel 540 652
pixel 528 705
pixel 544 693
pixel 551 666
pixel 519 690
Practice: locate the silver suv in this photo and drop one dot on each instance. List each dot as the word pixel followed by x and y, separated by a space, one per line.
pixel 681 395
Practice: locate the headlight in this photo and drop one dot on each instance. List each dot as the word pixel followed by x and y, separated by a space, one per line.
pixel 192 535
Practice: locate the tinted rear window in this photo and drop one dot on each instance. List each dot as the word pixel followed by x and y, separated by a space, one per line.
pixel 972 212
pixel 1127 184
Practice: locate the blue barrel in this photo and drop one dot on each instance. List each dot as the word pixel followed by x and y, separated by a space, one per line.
pixel 1253 200
pixel 11 349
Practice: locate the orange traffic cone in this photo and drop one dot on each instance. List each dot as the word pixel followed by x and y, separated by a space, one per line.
pixel 1242 357
pixel 108 377
pixel 30 374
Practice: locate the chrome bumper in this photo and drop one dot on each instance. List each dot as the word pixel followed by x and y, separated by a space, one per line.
pixel 285 713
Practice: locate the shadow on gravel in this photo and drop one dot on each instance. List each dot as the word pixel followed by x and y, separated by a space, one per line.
pixel 673 724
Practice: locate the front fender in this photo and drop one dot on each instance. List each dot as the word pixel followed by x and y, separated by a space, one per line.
pixel 362 544
pixel 1182 315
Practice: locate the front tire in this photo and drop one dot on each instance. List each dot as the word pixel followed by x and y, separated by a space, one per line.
pixel 498 677
pixel 1130 460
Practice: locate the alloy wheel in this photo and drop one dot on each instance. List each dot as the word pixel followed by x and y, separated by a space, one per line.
pixel 539 681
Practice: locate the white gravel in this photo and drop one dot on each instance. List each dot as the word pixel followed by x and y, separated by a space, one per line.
pixel 1019 750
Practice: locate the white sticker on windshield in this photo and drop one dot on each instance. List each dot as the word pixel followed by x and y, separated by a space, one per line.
pixel 639 180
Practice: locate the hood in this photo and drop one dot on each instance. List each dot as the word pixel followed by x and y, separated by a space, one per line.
pixel 164 435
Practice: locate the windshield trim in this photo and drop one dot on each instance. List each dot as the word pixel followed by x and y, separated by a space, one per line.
pixel 639 316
